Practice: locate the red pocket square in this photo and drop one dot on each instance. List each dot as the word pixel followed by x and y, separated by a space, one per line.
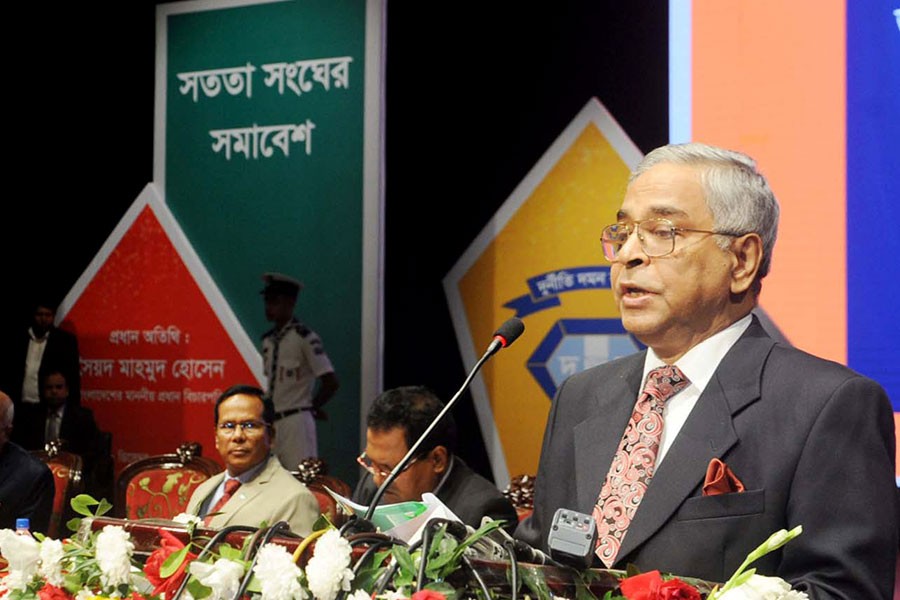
pixel 720 479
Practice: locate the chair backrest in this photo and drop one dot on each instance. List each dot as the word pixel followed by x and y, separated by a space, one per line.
pixel 160 486
pixel 68 483
pixel 314 473
pixel 520 492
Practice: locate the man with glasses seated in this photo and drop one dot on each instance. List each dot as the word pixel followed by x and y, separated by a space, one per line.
pixel 254 488
pixel 396 419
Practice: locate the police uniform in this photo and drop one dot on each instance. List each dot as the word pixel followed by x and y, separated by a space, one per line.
pixel 293 359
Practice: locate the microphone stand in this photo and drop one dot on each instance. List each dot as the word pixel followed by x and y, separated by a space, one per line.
pixel 210 545
pixel 398 468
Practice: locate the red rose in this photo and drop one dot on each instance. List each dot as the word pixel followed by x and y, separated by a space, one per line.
pixel 642 587
pixel 51 592
pixel 427 595
pixel 169 544
pixel 676 589
pixel 650 586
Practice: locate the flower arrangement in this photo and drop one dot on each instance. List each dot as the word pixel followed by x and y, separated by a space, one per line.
pixel 101 565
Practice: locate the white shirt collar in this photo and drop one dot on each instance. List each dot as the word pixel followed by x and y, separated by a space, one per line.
pixel 701 361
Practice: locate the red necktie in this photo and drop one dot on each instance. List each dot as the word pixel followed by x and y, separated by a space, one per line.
pixel 230 486
pixel 634 462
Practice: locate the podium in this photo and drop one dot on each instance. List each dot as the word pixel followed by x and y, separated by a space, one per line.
pixel 561 581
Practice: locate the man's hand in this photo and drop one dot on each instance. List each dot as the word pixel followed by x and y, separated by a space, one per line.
pixel 319 414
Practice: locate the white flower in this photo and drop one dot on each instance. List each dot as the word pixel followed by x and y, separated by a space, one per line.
pixel 187 519
pixel 223 576
pixel 84 594
pixel 113 552
pixel 22 553
pixel 392 595
pixel 758 587
pixel 327 571
pixel 278 575
pixel 51 561
pixel 359 595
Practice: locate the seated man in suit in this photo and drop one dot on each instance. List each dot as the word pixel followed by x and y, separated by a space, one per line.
pixel 254 488
pixel 396 419
pixel 26 484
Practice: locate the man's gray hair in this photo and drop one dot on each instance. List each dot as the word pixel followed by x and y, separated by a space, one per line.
pixel 738 195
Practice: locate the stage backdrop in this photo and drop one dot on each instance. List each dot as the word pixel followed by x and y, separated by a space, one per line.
pixel 814 95
pixel 266 158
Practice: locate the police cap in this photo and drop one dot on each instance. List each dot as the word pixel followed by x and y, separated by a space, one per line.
pixel 278 283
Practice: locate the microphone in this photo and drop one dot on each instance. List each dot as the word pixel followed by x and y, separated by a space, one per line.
pixel 505 335
pixel 498 542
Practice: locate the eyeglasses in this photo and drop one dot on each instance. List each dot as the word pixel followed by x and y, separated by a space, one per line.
pixel 250 428
pixel 657 237
pixel 375 469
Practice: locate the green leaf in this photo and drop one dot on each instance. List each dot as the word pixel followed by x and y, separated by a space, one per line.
pixel 197 590
pixel 172 562
pixel 444 588
pixel 534 580
pixel 81 503
pixel 402 556
pixel 254 585
pixel 231 553
pixel 103 508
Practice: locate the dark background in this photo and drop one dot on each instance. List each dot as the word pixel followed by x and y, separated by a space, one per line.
pixel 475 94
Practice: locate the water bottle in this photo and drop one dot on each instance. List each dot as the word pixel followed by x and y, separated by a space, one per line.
pixel 23 526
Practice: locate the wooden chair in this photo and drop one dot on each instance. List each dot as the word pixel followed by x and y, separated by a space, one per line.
pixel 520 492
pixel 313 472
pixel 160 486
pixel 67 480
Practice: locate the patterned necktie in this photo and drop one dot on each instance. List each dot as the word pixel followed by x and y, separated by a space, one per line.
pixel 230 486
pixel 634 462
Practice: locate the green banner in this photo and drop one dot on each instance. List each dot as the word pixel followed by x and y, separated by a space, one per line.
pixel 265 130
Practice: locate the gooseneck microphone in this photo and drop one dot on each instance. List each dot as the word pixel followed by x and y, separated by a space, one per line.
pixel 505 335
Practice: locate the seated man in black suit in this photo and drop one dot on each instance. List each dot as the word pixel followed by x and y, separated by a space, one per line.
pixel 396 419
pixel 64 420
pixel 26 484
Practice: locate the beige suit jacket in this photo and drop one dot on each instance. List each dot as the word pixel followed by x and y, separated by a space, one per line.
pixel 273 495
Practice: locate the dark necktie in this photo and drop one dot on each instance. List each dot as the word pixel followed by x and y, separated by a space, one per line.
pixel 230 486
pixel 634 462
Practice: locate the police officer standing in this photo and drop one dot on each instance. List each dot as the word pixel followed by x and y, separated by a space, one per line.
pixel 301 378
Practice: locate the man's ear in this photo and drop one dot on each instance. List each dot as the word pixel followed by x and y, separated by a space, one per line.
pixel 440 458
pixel 748 255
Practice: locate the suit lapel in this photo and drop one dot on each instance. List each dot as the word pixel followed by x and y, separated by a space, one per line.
pixel 708 433
pixel 597 437
pixel 250 490
pixel 210 484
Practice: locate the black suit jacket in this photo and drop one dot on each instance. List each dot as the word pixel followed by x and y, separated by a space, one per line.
pixel 469 495
pixel 811 440
pixel 61 352
pixel 78 431
pixel 26 489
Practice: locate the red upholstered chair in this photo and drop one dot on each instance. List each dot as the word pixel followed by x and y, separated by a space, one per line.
pixel 160 486
pixel 314 473
pixel 520 492
pixel 67 470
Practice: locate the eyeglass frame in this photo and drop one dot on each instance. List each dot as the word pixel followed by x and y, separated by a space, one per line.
pixel 247 427
pixel 370 466
pixel 635 227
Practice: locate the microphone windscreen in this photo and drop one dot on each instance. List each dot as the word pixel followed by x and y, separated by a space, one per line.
pixel 510 331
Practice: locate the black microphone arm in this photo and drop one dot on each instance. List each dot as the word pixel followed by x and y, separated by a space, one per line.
pixel 505 335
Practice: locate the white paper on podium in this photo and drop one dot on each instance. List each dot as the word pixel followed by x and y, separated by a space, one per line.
pixel 411 530
pixel 403 520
